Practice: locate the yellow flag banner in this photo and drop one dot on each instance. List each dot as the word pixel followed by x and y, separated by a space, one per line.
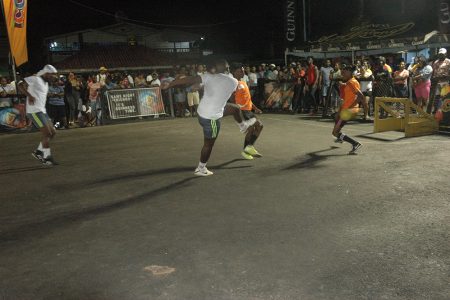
pixel 16 23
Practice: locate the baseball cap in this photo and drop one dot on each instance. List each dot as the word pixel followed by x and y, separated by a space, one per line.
pixel 442 51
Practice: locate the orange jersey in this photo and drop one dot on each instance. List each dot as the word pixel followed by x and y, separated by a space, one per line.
pixel 243 97
pixel 349 93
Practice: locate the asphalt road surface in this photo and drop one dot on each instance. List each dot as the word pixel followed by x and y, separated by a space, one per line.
pixel 123 216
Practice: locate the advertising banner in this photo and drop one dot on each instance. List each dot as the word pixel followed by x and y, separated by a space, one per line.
pixel 131 103
pixel 15 12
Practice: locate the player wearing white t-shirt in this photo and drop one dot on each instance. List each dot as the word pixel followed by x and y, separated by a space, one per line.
pixel 36 89
pixel 218 88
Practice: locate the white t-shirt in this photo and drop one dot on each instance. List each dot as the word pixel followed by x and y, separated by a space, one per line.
pixel 130 80
pixel 38 88
pixel 325 71
pixel 253 79
pixel 245 79
pixel 156 82
pixel 218 88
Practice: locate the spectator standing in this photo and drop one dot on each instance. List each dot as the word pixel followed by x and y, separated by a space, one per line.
pixel 125 83
pixel 72 96
pixel 336 79
pixel 101 76
pixel 155 82
pixel 401 81
pixel 440 78
pixel 365 78
pixel 383 81
pixel 299 88
pixel 94 112
pixel 325 83
pixel 312 79
pixel 140 81
pixel 7 91
pixel 180 94
pixel 130 79
pixel 271 74
pixel 422 82
pixel 56 105
pixel 149 78
pixel 253 81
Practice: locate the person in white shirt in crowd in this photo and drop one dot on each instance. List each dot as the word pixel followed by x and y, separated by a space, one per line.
pixel 324 83
pixel 7 90
pixel 130 79
pixel 155 82
pixel 218 89
pixel 272 74
pixel 245 78
pixel 200 70
pixel 36 89
pixel 252 80
pixel 364 76
pixel 149 78
pixel 101 76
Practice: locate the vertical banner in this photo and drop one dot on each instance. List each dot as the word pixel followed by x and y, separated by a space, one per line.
pixel 15 12
pixel 291 31
pixel 444 16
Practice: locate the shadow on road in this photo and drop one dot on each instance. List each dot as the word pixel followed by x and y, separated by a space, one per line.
pixel 313 158
pixel 142 174
pixel 56 222
pixel 23 169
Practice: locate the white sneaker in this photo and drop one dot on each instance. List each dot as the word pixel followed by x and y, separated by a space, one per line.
pixel 247 124
pixel 203 172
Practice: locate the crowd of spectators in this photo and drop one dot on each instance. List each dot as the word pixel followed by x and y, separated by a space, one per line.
pixel 79 99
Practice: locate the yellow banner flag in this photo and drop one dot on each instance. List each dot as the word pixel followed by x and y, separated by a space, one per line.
pixel 16 23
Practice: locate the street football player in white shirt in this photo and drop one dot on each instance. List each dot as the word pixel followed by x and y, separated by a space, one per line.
pixel 36 89
pixel 218 88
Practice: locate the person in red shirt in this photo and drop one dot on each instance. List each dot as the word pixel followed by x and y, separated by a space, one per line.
pixel 243 98
pixel 352 96
pixel 312 80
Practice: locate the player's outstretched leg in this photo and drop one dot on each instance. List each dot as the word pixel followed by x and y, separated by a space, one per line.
pixel 249 144
pixel 234 110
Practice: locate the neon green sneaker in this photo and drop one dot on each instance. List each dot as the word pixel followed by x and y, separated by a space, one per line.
pixel 246 155
pixel 252 151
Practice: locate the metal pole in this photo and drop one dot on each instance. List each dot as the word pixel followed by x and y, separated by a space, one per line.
pixel 12 61
pixel 172 111
pixel 304 21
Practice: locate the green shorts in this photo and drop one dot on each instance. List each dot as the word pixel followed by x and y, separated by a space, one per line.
pixel 39 119
pixel 211 128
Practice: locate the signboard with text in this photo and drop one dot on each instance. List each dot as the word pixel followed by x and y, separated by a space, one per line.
pixel 131 103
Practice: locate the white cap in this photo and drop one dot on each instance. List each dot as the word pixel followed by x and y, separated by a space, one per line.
pixel 272 65
pixel 442 51
pixel 47 69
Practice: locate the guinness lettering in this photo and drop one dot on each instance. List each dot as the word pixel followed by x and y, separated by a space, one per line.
pixel 444 16
pixel 291 20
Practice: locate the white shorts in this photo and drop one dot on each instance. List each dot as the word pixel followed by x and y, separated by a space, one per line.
pixel 193 98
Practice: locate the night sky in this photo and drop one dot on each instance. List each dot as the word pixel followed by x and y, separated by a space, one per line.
pixel 255 23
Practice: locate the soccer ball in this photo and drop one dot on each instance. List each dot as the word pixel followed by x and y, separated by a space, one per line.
pixel 346 114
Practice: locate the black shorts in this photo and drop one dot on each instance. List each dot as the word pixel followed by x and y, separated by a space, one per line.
pixel 56 112
pixel 248 114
